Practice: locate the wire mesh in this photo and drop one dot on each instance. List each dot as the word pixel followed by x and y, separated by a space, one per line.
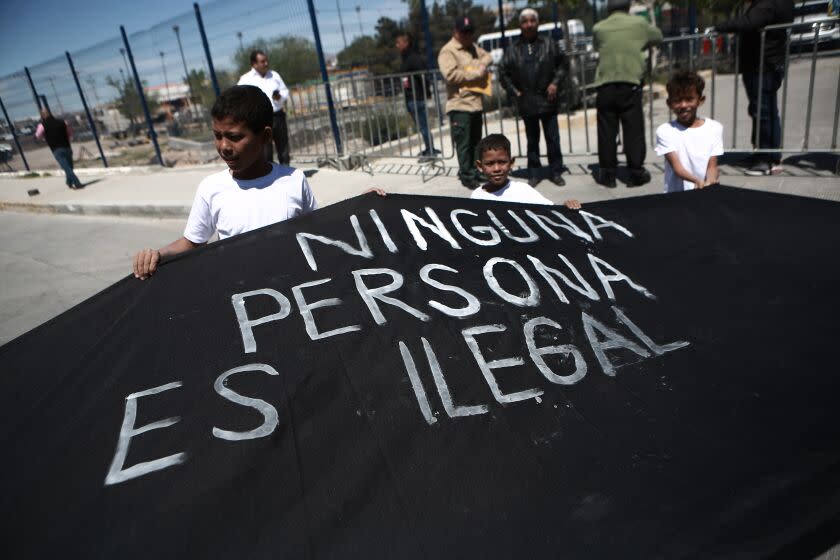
pixel 22 111
pixel 363 64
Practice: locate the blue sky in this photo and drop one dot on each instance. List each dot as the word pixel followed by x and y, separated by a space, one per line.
pixel 36 30
pixel 36 33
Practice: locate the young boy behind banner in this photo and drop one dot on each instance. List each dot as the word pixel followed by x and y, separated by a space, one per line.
pixel 689 143
pixel 251 193
pixel 495 161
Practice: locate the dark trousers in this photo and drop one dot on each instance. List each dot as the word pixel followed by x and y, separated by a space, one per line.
pixel 769 123
pixel 280 132
pixel 552 140
pixel 466 133
pixel 619 102
pixel 417 110
pixel 64 157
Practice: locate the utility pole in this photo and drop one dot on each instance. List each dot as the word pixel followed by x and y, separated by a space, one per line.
pixel 57 98
pixel 125 61
pixel 177 31
pixel 239 36
pixel 359 16
pixel 166 81
pixel 92 83
pixel 341 23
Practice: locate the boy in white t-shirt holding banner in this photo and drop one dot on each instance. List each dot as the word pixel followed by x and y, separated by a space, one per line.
pixel 495 161
pixel 689 143
pixel 250 194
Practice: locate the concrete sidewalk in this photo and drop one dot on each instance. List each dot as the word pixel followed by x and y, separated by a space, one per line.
pixel 158 192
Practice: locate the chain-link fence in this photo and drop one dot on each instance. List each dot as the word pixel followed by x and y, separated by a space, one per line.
pixel 144 97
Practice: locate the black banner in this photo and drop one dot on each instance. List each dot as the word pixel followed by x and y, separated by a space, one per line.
pixel 431 377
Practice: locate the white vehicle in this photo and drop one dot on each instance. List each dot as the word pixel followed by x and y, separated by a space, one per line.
pixel 113 123
pixel 492 42
pixel 813 11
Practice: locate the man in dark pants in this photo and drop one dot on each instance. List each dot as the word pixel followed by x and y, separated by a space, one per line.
pixel 620 40
pixel 416 88
pixel 273 86
pixel 760 14
pixel 464 67
pixel 58 134
pixel 532 71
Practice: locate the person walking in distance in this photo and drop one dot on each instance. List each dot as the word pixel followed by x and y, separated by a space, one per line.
pixel 464 67
pixel 273 86
pixel 416 87
pixel 58 134
pixel 533 71
pixel 620 40
pixel 752 61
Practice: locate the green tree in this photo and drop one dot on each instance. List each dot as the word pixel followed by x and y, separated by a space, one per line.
pixel 128 101
pixel 294 58
pixel 202 87
pixel 376 52
pixel 442 21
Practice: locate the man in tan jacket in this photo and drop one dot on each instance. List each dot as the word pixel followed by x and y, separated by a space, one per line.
pixel 464 67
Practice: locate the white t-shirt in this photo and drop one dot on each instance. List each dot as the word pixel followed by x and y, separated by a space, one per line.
pixel 234 206
pixel 268 84
pixel 514 191
pixel 694 147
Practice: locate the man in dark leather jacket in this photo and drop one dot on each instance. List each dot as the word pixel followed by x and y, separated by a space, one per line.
pixel 533 71
pixel 759 14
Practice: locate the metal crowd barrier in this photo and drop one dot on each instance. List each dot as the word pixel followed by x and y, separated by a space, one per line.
pixel 374 120
pixel 574 106
pixel 371 119
pixel 724 55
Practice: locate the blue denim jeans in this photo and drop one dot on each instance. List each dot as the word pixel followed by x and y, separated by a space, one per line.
pixel 417 110
pixel 769 124
pixel 64 157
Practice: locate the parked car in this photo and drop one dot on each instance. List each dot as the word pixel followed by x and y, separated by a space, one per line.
pixel 810 16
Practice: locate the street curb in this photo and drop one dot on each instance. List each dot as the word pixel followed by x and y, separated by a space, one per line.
pixel 107 171
pixel 125 210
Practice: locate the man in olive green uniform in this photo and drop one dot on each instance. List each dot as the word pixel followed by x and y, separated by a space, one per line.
pixel 620 40
pixel 464 67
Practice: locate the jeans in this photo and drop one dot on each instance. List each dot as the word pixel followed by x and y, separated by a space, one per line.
pixel 620 102
pixel 552 140
pixel 64 157
pixel 769 124
pixel 280 134
pixel 417 110
pixel 466 132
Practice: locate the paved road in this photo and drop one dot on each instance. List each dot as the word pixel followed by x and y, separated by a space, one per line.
pixel 49 263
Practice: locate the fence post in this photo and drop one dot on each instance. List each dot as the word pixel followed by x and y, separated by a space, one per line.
pixel 431 63
pixel 139 85
pixel 207 50
pixel 427 36
pixel 87 111
pixel 14 135
pixel 502 25
pixel 325 77
pixel 32 87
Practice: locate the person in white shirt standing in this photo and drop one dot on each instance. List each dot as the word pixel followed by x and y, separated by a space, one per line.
pixel 689 143
pixel 251 193
pixel 273 86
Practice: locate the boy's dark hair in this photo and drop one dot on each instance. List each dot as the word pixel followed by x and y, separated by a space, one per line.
pixel 683 82
pixel 255 54
pixel 246 104
pixel 493 142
